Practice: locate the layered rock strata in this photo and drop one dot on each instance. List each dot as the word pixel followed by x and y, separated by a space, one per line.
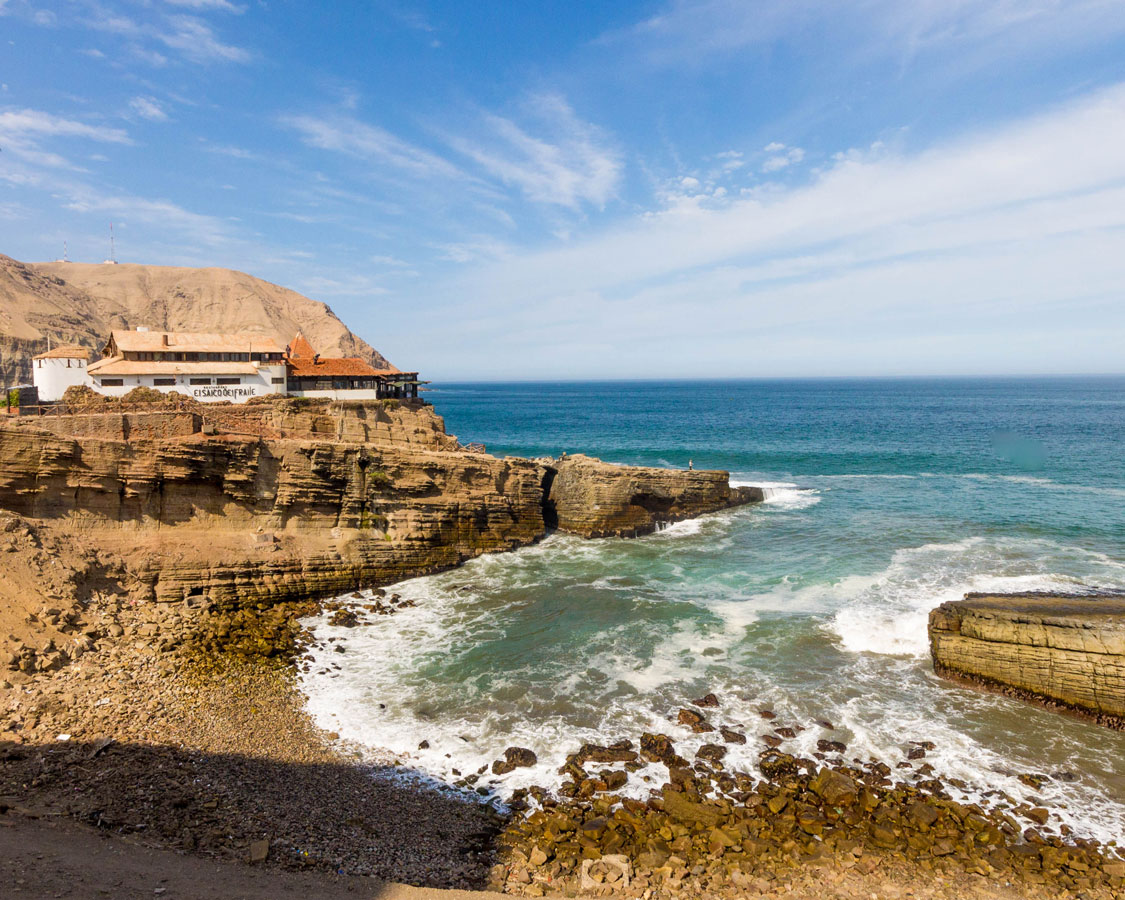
pixel 1061 650
pixel 593 499
pixel 230 509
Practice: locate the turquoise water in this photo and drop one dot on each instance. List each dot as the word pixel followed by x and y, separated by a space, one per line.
pixel 886 498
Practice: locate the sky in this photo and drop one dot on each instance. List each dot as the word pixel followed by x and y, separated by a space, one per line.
pixel 556 190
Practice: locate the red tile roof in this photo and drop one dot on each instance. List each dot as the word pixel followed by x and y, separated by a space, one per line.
pixel 351 366
pixel 300 347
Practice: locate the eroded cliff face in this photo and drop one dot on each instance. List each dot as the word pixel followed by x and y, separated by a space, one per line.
pixel 285 501
pixel 595 499
pixel 238 518
pixel 1060 650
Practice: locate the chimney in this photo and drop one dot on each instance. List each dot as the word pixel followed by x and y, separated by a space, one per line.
pixel 164 339
pixel 316 359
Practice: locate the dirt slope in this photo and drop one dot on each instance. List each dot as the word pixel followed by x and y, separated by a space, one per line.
pixel 79 302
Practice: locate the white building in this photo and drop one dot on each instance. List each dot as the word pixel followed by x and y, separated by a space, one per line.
pixel 206 367
pixel 56 370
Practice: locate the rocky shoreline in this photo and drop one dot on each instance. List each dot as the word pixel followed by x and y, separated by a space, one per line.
pixel 210 753
pixel 151 595
pixel 726 833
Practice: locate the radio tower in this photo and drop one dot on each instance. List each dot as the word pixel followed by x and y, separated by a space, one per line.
pixel 112 261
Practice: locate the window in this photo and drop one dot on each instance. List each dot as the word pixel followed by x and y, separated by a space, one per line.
pixel 276 380
pixel 40 363
pixel 228 381
pixel 112 382
pixel 163 382
pixel 199 381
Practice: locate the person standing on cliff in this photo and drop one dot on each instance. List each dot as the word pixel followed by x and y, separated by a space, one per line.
pixel 689 465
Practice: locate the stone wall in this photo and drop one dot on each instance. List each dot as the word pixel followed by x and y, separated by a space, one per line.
pixel 1061 650
pixel 115 426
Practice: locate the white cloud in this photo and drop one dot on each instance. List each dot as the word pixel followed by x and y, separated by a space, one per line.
pixel 1002 229
pixel 195 40
pixel 345 134
pixel 14 123
pixel 781 160
pixel 148 108
pixel 696 30
pixel 573 164
pixel 189 35
pixel 23 132
pixel 219 5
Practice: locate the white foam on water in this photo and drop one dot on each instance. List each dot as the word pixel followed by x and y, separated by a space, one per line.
pixel 385 697
pixel 685 528
pixel 888 613
pixel 783 494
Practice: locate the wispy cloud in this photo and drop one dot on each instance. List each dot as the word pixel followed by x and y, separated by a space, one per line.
pixel 148 108
pixel 26 122
pixel 188 35
pixel 196 41
pixel 995 224
pixel 346 134
pixel 24 132
pixel 570 164
pixel 781 157
pixel 216 5
pixel 695 30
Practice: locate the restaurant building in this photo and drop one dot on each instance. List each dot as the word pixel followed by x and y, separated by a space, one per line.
pixel 217 367
pixel 205 367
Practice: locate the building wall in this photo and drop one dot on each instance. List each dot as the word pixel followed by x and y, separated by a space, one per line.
pixel 54 376
pixel 342 394
pixel 258 385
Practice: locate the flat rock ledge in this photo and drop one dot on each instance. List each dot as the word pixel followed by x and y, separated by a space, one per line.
pixel 1064 651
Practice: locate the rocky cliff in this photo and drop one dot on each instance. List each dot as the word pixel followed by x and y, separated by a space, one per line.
pixel 235 508
pixel 78 303
pixel 590 498
pixel 1062 650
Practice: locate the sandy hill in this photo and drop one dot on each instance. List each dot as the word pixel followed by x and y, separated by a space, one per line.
pixel 78 303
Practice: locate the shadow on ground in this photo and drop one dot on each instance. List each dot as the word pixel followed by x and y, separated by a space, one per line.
pixel 333 818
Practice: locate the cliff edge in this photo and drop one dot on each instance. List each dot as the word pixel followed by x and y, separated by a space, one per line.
pixel 220 510
pixel 1061 650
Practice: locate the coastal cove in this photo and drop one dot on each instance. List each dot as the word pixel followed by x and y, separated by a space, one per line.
pixel 884 499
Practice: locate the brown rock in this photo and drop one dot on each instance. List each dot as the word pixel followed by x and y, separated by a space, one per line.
pixel 514 758
pixel 712 752
pixel 658 748
pixel 680 807
pixel 731 736
pixel 834 788
pixel 708 700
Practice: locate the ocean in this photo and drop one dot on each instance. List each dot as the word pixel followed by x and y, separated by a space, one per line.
pixel 885 498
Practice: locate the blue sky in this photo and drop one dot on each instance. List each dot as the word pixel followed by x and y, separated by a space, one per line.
pixel 673 188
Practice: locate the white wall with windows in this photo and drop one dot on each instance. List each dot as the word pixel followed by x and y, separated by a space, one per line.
pixel 266 381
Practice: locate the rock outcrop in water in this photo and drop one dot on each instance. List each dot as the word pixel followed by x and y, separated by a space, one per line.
pixel 229 509
pixel 595 499
pixel 1062 650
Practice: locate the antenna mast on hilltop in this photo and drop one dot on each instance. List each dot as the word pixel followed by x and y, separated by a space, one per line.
pixel 112 250
pixel 65 258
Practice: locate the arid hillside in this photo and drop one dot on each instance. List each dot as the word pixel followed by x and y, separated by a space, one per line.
pixel 77 303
